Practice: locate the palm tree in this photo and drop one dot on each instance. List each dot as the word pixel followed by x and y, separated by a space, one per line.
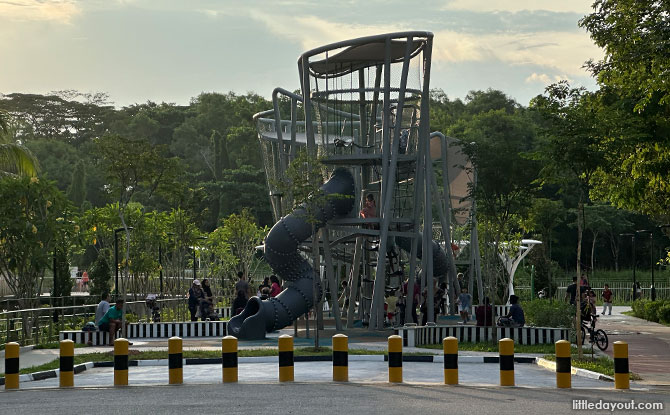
pixel 15 158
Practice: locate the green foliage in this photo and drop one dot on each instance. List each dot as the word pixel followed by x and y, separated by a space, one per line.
pixel 77 190
pixel 233 247
pixel 657 311
pixel 548 313
pixel 101 277
pixel 32 216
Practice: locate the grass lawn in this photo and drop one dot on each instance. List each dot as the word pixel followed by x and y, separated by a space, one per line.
pixel 600 364
pixel 190 354
pixel 493 347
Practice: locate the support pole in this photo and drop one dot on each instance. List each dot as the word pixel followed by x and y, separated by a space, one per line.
pixel 121 362
pixel 286 358
pixel 66 372
pixel 12 365
pixel 450 346
pixel 229 359
pixel 175 362
pixel 340 358
pixel 395 359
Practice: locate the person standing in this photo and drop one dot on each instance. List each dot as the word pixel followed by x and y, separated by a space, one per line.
pixel 464 304
pixel 607 300
pixel 571 291
pixel 242 285
pixel 195 297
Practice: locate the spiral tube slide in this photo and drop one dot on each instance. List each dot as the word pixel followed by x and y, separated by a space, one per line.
pixel 281 253
pixel 440 261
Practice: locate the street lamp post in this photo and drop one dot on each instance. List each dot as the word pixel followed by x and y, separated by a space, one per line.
pixel 632 238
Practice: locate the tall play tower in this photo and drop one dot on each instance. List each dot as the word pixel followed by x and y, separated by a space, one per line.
pixel 364 111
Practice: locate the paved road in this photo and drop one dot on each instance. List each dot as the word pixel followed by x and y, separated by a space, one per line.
pixel 302 398
pixel 526 374
pixel 648 344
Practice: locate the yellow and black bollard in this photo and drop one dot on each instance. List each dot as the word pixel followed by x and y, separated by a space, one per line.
pixel 12 365
pixel 285 358
pixel 120 362
pixel 563 364
pixel 621 373
pixel 450 346
pixel 66 373
pixel 229 359
pixel 395 359
pixel 175 361
pixel 340 358
pixel 506 349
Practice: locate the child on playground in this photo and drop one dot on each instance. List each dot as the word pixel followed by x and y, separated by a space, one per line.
pixel 391 301
pixel 464 304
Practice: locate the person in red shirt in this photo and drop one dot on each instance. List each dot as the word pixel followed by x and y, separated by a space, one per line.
pixel 275 289
pixel 607 300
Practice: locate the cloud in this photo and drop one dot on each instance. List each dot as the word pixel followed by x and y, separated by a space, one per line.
pixel 545 79
pixel 562 52
pixel 574 6
pixel 61 11
pixel 313 31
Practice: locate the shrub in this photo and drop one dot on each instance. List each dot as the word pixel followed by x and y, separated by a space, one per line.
pixel 639 308
pixel 663 313
pixel 548 313
pixel 651 310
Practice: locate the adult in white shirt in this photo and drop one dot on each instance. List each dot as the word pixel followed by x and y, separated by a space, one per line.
pixel 103 306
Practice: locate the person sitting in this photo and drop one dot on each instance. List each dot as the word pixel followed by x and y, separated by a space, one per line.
pixel 240 302
pixel 515 314
pixel 275 288
pixel 484 313
pixel 111 321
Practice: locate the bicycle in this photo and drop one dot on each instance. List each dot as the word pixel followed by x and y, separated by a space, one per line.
pixel 597 337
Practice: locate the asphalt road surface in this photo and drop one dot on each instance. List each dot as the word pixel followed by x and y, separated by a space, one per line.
pixel 322 398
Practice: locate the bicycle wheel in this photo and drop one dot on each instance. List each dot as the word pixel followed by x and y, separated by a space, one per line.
pixel 601 339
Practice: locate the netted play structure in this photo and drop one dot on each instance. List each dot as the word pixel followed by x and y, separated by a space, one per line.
pixel 363 115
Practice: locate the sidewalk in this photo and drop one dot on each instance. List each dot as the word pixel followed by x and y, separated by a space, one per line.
pixel 648 344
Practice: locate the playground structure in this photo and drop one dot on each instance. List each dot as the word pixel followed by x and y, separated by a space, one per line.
pixel 364 112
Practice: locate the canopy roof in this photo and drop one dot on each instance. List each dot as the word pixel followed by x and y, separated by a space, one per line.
pixel 356 57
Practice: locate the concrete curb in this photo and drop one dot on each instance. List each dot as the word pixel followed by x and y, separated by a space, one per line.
pixel 548 364
pixel 48 374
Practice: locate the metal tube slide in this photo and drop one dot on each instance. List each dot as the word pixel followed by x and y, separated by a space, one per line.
pixel 440 261
pixel 281 253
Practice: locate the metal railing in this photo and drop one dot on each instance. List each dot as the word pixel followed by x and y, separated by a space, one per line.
pixel 43 324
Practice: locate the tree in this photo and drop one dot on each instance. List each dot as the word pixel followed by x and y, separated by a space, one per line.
pixel 32 213
pixel 101 276
pixel 62 283
pixel 77 190
pixel 570 151
pixel 495 141
pixel 635 101
pixel 15 158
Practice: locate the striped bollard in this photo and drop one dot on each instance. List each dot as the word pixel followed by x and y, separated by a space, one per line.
pixel 563 364
pixel 450 346
pixel 340 358
pixel 66 372
pixel 229 359
pixel 12 365
pixel 120 362
pixel 395 359
pixel 175 361
pixel 621 373
pixel 285 358
pixel 506 349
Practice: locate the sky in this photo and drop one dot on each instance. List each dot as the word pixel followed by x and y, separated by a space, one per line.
pixel 172 50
